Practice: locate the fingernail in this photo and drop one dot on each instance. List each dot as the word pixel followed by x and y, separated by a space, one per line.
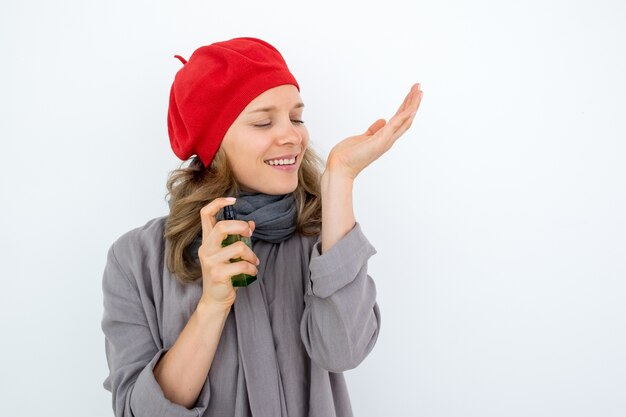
pixel 230 199
pixel 257 261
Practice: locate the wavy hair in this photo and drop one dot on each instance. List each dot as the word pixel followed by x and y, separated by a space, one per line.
pixel 193 187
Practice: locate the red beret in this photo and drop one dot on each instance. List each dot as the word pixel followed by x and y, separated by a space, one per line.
pixel 214 86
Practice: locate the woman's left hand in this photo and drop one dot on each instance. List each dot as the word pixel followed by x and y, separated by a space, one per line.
pixel 351 155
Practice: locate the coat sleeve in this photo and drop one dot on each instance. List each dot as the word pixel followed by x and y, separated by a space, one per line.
pixel 341 318
pixel 131 350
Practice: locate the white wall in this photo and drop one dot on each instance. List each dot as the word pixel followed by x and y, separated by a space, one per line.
pixel 498 218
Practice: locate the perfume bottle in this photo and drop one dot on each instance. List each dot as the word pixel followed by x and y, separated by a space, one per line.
pixel 239 280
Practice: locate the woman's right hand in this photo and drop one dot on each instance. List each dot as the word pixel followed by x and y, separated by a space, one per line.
pixel 217 270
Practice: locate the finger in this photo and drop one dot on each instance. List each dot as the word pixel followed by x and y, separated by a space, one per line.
pixel 407 98
pixel 228 270
pixel 224 228
pixel 234 251
pixel 375 127
pixel 402 120
pixel 208 213
pixel 408 103
pixel 213 264
pixel 396 127
pixel 237 268
pixel 412 108
pixel 414 104
pixel 404 125
pixel 413 101
pixel 252 225
pixel 415 89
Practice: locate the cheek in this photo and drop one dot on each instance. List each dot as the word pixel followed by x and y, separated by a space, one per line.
pixel 305 138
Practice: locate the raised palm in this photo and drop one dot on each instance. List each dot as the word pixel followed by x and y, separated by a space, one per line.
pixel 353 154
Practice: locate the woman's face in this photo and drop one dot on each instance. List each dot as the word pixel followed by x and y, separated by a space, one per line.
pixel 266 142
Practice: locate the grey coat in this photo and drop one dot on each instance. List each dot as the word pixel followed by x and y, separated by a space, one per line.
pixel 319 312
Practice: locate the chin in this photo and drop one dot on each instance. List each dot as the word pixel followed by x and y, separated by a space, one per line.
pixel 279 189
pixel 282 190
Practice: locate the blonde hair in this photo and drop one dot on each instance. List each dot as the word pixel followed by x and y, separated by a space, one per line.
pixel 193 187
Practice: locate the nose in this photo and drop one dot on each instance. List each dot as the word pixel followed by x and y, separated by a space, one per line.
pixel 290 134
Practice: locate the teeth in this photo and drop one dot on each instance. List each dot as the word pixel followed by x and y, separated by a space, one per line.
pixel 281 161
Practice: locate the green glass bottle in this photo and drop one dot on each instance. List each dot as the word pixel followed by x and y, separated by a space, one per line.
pixel 239 280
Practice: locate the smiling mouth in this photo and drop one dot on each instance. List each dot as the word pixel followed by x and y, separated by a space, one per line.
pixel 282 162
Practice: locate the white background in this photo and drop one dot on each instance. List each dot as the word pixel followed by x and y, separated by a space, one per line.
pixel 498 218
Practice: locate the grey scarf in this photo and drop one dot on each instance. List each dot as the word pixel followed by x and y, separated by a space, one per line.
pixel 275 218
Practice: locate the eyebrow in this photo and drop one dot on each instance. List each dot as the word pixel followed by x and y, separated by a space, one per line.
pixel 270 108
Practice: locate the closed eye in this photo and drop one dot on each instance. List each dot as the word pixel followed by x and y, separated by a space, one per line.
pixel 298 122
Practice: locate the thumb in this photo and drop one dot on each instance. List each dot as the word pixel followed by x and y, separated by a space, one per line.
pixel 376 126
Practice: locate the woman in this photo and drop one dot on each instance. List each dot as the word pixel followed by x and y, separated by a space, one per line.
pixel 180 339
